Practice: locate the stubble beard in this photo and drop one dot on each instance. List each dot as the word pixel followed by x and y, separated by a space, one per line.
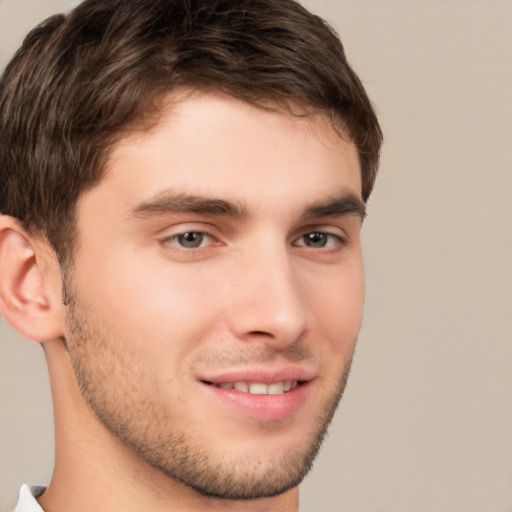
pixel 108 382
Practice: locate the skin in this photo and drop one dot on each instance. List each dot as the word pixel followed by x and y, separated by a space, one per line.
pixel 275 282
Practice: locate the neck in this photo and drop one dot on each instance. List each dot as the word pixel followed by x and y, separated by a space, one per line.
pixel 95 471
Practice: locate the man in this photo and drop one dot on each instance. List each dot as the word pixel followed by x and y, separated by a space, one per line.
pixel 182 189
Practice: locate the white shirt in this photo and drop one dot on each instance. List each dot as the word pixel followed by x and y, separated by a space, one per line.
pixel 27 500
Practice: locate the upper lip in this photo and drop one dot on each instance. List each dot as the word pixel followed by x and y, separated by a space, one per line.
pixel 262 375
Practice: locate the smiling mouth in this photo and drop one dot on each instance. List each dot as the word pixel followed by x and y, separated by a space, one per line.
pixel 258 388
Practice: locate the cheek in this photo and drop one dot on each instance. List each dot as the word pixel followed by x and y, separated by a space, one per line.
pixel 339 308
pixel 154 306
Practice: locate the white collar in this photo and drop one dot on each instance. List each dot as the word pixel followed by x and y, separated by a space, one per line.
pixel 27 501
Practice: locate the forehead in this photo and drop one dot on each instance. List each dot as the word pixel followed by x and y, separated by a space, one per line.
pixel 213 144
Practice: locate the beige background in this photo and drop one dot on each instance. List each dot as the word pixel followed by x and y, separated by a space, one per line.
pixel 426 423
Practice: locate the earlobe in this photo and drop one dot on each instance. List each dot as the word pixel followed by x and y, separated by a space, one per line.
pixel 26 298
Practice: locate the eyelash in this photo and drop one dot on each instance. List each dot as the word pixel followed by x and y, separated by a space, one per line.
pixel 331 241
pixel 202 234
pixel 337 240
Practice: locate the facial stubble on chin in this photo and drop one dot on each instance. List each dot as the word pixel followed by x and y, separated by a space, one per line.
pixel 130 410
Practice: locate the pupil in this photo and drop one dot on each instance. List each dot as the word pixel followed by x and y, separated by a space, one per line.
pixel 191 240
pixel 316 239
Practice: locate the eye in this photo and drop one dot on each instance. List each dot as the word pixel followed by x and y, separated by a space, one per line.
pixel 319 240
pixel 190 239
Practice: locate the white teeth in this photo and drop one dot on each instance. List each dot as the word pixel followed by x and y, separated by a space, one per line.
pixel 242 386
pixel 259 388
pixel 276 389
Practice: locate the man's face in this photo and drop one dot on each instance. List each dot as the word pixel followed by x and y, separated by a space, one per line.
pixel 217 292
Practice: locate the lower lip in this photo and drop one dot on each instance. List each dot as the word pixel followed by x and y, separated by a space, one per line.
pixel 264 407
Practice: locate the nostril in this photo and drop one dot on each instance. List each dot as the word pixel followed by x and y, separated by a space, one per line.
pixel 261 333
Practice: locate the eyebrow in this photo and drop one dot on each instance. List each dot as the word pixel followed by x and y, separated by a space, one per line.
pixel 170 202
pixel 346 203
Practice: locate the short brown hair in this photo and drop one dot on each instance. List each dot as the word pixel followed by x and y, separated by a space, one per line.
pixel 80 79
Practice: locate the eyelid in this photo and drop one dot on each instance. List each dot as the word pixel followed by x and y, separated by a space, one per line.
pixel 180 228
pixel 166 236
pixel 328 229
pixel 171 238
pixel 339 239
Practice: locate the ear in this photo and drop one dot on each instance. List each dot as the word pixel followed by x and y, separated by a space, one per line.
pixel 30 283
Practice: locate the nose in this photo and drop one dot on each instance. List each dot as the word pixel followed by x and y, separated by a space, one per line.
pixel 270 300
